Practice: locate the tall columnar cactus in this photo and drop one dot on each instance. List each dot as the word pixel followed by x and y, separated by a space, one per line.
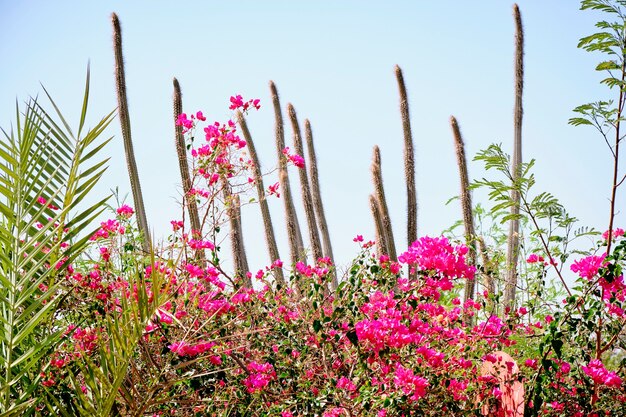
pixel 377 178
pixel 307 198
pixel 409 160
pixel 236 236
pixel 295 249
pixel 270 238
pixel 512 253
pixel 296 244
pixel 466 203
pixel 181 150
pixel 317 199
pixel 488 270
pixel 120 82
pixel 381 241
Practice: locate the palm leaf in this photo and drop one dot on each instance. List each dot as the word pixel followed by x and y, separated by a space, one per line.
pixel 41 158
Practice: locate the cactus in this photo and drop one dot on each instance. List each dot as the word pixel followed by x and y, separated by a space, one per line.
pixel 296 244
pixel 382 203
pixel 270 238
pixel 307 199
pixel 240 260
pixel 466 203
pixel 488 272
pixel 120 82
pixel 512 253
pixel 292 222
pixel 181 150
pixel 317 200
pixel 381 244
pixel 409 161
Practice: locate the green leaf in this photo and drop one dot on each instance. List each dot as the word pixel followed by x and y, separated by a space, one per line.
pixel 607 65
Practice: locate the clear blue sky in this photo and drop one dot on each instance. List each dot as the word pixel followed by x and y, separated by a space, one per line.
pixel 334 61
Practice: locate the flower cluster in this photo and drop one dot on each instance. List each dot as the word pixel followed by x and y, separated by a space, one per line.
pixel 588 267
pixel 598 373
pixel 296 159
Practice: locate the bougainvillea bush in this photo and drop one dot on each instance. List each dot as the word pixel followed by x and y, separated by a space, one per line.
pixel 174 333
pixel 95 326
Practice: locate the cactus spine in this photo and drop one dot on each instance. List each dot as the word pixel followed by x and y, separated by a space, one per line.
pixel 296 244
pixel 409 160
pixel 188 200
pixel 513 238
pixel 122 101
pixel 270 238
pixel 307 199
pixel 377 178
pixel 317 200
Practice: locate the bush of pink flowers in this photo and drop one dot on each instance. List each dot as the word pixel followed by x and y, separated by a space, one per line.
pixel 385 343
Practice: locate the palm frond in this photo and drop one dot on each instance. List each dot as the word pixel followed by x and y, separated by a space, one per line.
pixel 41 159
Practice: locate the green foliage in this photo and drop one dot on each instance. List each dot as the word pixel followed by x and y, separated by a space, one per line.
pixel 40 158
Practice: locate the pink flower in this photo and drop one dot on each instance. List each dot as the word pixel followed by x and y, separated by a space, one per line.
pixel 334 412
pixel 409 383
pixel 125 211
pixel 345 383
pixel 183 121
pixel 297 160
pixel 260 375
pixel 236 102
pixel 616 233
pixel 588 267
pixel 531 363
pixel 600 375
pixel 438 255
pixel 177 225
pixel 200 116
pixel 273 190
pixel 534 258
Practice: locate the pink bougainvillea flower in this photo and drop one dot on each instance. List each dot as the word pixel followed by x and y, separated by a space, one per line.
pixel 259 376
pixel 600 375
pixel 186 123
pixel 125 211
pixel 410 384
pixel 438 255
pixel 618 232
pixel 588 267
pixel 236 102
pixel 273 190
pixel 177 225
pixel 534 258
